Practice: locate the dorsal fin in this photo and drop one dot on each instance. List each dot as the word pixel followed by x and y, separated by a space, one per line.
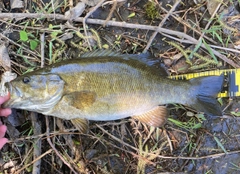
pixel 149 60
pixel 101 53
pixel 145 58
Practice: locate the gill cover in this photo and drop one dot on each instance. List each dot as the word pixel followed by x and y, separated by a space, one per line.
pixel 37 93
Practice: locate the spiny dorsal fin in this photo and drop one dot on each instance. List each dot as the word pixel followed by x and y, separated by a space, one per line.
pixel 101 53
pixel 155 117
pixel 145 58
pixel 81 124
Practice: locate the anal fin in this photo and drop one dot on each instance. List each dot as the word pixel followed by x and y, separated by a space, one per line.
pixel 80 124
pixel 155 117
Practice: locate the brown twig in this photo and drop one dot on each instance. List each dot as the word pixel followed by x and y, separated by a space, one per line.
pixel 168 157
pixel 68 131
pixel 37 143
pixel 54 149
pixel 180 20
pixel 210 21
pixel 119 24
pixel 42 40
pixel 87 15
pixel 193 150
pixel 111 12
pixel 41 156
pixel 160 25
pixel 208 24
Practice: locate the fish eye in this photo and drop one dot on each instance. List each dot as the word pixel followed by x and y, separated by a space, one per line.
pixel 26 80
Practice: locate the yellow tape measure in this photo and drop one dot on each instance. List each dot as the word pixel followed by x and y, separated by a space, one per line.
pixel 233 76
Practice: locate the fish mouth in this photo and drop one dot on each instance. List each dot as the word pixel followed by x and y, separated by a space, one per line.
pixel 14 90
pixel 9 87
pixel 18 92
pixel 15 94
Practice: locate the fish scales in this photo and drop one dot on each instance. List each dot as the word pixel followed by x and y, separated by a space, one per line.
pixel 120 88
pixel 109 88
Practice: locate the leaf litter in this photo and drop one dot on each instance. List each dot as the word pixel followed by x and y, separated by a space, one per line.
pixel 125 146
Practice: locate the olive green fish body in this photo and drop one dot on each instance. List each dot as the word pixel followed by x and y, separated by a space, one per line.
pixel 106 88
pixel 112 89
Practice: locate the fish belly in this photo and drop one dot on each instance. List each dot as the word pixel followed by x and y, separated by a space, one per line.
pixel 104 108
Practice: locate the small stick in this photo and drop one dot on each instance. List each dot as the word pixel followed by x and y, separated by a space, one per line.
pixel 193 150
pixel 42 39
pixel 180 20
pixel 118 24
pixel 54 149
pixel 208 24
pixel 41 156
pixel 160 25
pixel 37 143
pixel 111 12
pixel 53 8
pixel 87 15
pixel 169 157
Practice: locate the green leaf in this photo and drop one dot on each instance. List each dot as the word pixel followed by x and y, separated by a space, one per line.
pixel 106 46
pixel 197 126
pixel 220 101
pixel 195 49
pixel 131 15
pixel 27 61
pixel 50 26
pixel 210 51
pixel 201 116
pixel 218 36
pixel 23 36
pixel 54 34
pixel 237 114
pixel 220 145
pixel 33 44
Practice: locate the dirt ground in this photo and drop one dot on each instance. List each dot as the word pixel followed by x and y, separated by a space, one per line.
pixel 190 142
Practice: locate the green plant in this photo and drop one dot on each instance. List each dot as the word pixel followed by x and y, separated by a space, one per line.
pixel 188 54
pixel 29 38
pixel 152 10
pixel 195 122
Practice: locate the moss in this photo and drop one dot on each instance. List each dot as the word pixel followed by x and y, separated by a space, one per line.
pixel 151 10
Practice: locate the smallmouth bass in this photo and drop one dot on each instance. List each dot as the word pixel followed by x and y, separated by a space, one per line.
pixel 104 86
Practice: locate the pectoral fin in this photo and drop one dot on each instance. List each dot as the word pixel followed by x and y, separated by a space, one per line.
pixel 155 117
pixel 80 124
pixel 81 100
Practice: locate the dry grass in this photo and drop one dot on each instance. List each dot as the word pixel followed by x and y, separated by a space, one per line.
pixel 124 146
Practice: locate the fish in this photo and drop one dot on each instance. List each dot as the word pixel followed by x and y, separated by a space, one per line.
pixel 104 86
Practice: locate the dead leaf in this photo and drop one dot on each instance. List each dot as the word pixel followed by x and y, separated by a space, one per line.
pixel 4 58
pixel 91 2
pixel 16 4
pixel 66 36
pixel 75 11
pixel 16 119
pixel 7 76
pixel 212 5
pixel 181 66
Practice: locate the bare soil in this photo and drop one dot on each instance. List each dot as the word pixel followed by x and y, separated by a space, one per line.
pixel 123 146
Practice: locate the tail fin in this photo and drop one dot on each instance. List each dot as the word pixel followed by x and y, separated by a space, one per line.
pixel 206 94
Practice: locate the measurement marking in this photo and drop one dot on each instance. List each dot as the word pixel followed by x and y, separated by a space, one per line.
pixel 232 74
